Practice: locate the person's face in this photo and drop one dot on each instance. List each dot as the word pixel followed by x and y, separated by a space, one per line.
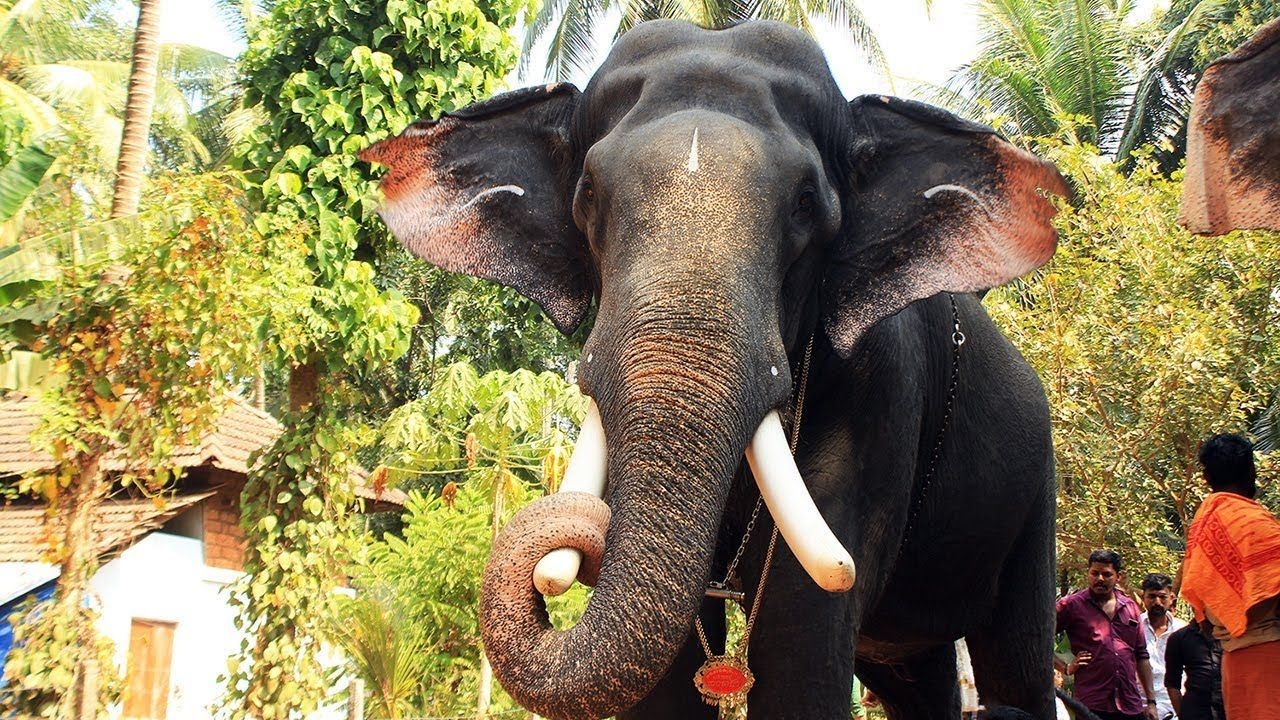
pixel 1102 579
pixel 1158 602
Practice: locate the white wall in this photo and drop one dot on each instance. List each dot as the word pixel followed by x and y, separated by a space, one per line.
pixel 164 578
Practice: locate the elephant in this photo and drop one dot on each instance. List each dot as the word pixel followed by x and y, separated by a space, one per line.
pixel 746 234
pixel 1233 141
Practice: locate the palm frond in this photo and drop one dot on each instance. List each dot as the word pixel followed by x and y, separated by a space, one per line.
pixel 847 15
pixel 1161 102
pixel 572 43
pixel 39 116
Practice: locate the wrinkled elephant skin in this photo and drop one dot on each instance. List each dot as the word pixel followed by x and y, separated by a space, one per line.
pixel 1233 141
pixel 724 206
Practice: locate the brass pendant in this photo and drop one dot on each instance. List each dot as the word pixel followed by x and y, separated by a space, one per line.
pixel 723 678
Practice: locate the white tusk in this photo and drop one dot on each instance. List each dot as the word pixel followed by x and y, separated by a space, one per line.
pixel 792 508
pixel 586 473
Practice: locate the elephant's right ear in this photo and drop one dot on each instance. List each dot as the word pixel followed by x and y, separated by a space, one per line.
pixel 487 191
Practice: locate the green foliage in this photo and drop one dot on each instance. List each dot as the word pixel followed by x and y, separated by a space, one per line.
pixel 1148 340
pixel 435 573
pixel 1048 63
pixel 298 504
pixel 145 336
pixel 388 649
pixel 18 178
pixel 1174 49
pixel 572 24
pixel 325 80
pixel 512 427
pixel 464 319
pixel 482 446
pixel 1084 70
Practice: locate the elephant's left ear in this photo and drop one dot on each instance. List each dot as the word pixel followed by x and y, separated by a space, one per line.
pixel 935 203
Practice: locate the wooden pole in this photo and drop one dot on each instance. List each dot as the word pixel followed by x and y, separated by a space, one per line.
pixel 355 700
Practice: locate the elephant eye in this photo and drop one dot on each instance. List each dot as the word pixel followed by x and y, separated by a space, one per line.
pixel 586 190
pixel 806 203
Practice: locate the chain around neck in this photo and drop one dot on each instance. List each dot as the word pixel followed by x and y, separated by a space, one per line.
pixel 744 642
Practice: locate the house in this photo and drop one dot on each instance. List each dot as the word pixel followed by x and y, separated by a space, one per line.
pixel 161 589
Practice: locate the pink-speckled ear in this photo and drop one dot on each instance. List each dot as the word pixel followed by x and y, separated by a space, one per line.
pixel 487 190
pixel 1233 141
pixel 935 203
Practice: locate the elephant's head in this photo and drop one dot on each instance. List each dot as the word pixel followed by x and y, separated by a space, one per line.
pixel 1233 141
pixel 719 199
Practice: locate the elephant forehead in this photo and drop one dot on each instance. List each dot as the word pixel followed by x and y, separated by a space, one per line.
pixel 694 158
pixel 764 74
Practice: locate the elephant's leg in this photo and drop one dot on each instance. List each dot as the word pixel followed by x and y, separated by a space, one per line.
pixel 1013 652
pixel 675 695
pixel 921 687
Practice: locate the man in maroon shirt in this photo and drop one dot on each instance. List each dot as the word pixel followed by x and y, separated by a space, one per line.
pixel 1111 667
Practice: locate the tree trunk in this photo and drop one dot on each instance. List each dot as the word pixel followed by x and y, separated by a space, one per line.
pixel 78 565
pixel 486 668
pixel 304 386
pixel 137 113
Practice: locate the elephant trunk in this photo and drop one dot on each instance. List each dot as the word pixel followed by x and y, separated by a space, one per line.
pixel 677 418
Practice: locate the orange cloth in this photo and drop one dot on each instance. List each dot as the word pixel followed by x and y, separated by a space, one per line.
pixel 1249 687
pixel 1233 559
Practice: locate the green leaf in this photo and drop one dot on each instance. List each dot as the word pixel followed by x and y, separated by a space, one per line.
pixel 19 177
pixel 289 183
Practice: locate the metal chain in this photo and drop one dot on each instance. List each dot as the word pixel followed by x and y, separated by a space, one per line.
pixel 917 500
pixel 773 538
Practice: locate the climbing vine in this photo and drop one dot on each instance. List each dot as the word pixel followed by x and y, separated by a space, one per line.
pixel 326 80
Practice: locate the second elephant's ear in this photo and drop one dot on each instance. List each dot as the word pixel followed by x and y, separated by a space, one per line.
pixel 487 191
pixel 934 203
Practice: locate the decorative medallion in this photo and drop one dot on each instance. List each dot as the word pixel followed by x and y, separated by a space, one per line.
pixel 723 678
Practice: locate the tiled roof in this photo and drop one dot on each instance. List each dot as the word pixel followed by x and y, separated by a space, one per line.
pixel 25 532
pixel 239 431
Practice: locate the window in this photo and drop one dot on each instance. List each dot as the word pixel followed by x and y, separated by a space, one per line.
pixel 146 694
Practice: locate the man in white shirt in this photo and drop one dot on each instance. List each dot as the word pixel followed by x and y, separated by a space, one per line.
pixel 1157 625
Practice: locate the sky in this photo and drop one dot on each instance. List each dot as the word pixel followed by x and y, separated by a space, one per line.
pixel 919 48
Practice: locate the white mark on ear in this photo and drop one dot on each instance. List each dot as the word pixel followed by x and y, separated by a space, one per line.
pixel 513 189
pixel 774 370
pixel 693 153
pixel 928 194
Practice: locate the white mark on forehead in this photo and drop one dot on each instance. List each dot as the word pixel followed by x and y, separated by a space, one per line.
pixel 928 194
pixel 513 189
pixel 693 153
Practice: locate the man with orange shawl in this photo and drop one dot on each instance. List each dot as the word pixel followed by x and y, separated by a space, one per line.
pixel 1231 577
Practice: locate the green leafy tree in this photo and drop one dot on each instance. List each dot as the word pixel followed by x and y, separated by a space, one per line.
pixel 325 80
pixel 480 447
pixel 143 342
pixel 1148 340
pixel 463 319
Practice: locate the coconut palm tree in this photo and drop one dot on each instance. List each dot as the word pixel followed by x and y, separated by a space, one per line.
pixel 1172 52
pixel 1047 65
pixel 64 68
pixel 571 24
pixel 137 112
pixel 1084 69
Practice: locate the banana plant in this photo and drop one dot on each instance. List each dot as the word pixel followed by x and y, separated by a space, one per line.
pixel 19 278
